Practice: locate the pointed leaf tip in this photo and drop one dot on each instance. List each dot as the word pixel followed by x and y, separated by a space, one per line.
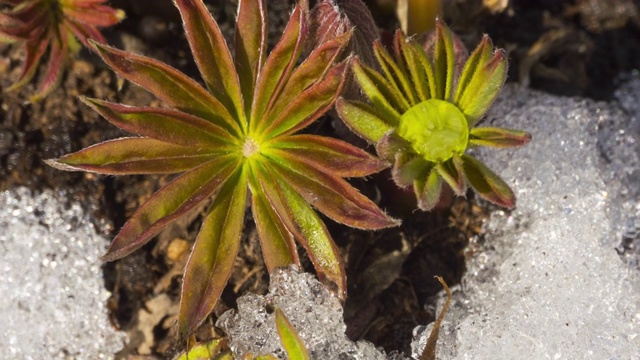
pixel 291 341
pixel 498 137
pixel 487 184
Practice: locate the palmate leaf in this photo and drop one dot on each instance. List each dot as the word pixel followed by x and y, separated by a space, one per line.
pixel 424 106
pixel 237 136
pixel 57 26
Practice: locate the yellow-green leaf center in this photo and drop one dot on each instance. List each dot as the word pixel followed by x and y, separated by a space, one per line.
pixel 436 129
pixel 250 147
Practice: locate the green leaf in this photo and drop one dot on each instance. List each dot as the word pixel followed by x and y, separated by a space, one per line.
pixel 277 242
pixel 480 56
pixel 205 351
pixel 381 94
pixel 313 235
pixel 278 67
pixel 452 172
pixel 165 125
pixel 418 75
pixel 362 119
pixel 310 104
pixel 293 345
pixel 395 76
pixel 251 45
pixel 498 137
pixel 407 168
pixel 428 190
pixel 213 255
pixel 169 203
pixel 424 63
pixel 133 156
pixel 169 85
pixel 331 155
pixel 328 193
pixel 488 74
pixel 487 184
pixel 212 55
pixel 265 357
pixel 444 62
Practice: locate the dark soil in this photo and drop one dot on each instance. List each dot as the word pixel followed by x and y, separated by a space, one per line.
pixel 575 47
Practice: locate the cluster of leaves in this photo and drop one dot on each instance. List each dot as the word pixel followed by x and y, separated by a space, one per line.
pixel 216 349
pixel 237 138
pixel 423 109
pixel 57 25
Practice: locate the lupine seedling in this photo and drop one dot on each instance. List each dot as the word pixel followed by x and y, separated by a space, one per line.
pixel 59 26
pixel 423 111
pixel 216 349
pixel 233 139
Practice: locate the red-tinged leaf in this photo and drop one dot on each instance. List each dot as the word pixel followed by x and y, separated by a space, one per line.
pixel 428 190
pixel 417 74
pixel 34 53
pixel 487 184
pixel 251 45
pixel 168 84
pixel 483 87
pixel 395 75
pixel 276 241
pixel 311 71
pixel 279 65
pixel 84 33
pixel 390 145
pixel 212 55
pixel 9 21
pixel 407 168
pixel 380 93
pixel 169 203
pixel 305 225
pixel 213 255
pixel 313 235
pixel 133 156
pixel 96 15
pixel 444 62
pixel 165 125
pixel 363 120
pixel 330 194
pixel 498 137
pixel 331 18
pixel 291 342
pixel 53 73
pixel 310 104
pixel 331 155
pixel 452 172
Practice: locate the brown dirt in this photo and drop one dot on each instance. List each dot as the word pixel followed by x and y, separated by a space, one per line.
pixel 557 46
